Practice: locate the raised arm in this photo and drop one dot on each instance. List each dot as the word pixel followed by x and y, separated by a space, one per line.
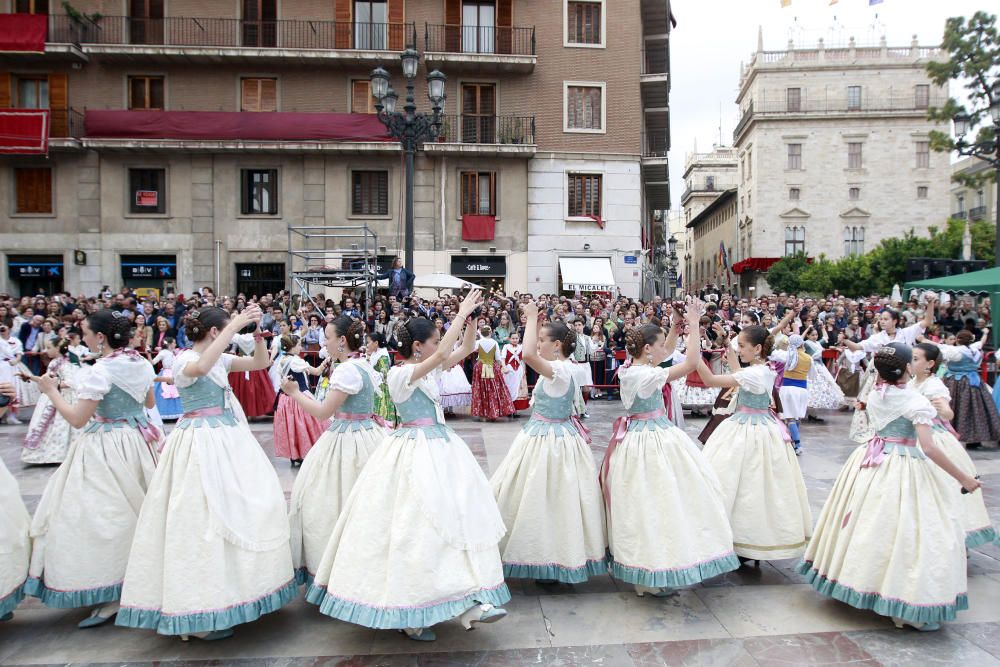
pixel 443 352
pixel 261 358
pixel 692 353
pixel 531 356
pixel 201 366
pixel 468 347
pixel 675 332
pixel 783 322
pixel 322 411
pixel 77 414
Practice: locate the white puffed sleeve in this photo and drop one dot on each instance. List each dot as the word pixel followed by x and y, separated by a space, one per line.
pixel 933 388
pixel 399 382
pixel 227 361
pixel 181 379
pixel 950 352
pixel 92 383
pixel 920 411
pixel 558 384
pixel 652 380
pixel 757 379
pixel 346 378
pixel 910 333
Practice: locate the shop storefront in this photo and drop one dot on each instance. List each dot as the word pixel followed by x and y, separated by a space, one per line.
pixel 256 280
pixel 579 275
pixel 487 271
pixel 35 274
pixel 157 272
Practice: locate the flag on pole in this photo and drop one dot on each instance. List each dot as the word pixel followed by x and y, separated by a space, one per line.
pixel 785 3
pixel 833 2
pixel 874 2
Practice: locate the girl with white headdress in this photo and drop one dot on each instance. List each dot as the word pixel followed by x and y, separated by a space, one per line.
pixel 794 391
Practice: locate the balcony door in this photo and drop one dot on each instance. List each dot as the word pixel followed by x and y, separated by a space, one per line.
pixel 371 23
pixel 479 113
pixel 260 26
pixel 145 20
pixel 479 26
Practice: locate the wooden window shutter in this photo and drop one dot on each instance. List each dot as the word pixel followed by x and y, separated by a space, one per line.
pixel 34 190
pixel 470 196
pixel 361 97
pixel 268 94
pixel 397 28
pixel 343 30
pixel 250 95
pixel 4 90
pixel 505 22
pixel 59 104
pixel 453 26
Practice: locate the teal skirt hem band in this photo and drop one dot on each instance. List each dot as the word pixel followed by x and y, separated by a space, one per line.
pixel 207 621
pixel 675 578
pixel 90 597
pixel 303 577
pixel 931 613
pixel 11 600
pixel 978 538
pixel 567 575
pixel 398 618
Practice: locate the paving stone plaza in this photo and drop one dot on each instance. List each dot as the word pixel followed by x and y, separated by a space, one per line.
pixel 763 616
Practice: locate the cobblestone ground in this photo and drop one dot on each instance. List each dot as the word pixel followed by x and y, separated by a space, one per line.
pixel 763 616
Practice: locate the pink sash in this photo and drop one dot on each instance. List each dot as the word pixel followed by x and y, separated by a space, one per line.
pixel 360 417
pixel 149 432
pixel 618 432
pixel 875 453
pixel 785 435
pixel 580 428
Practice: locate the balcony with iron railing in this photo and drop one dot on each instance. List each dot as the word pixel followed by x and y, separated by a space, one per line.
pixel 212 38
pixel 655 144
pixel 24 130
pixel 60 38
pixel 485 135
pixel 707 188
pixel 977 213
pixel 837 105
pixel 479 47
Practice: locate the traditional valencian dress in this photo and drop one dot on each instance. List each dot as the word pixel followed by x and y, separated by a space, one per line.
pixel 975 519
pixel 295 430
pixel 211 547
pixel 861 431
pixel 79 551
pixel 888 538
pixel 253 389
pixel 976 418
pixel 490 398
pixel 762 485
pixel 384 407
pixel 416 543
pixel 514 371
pixel 824 392
pixel 15 545
pixel 548 492
pixel 49 434
pixel 667 525
pixel 333 465
pixel 168 400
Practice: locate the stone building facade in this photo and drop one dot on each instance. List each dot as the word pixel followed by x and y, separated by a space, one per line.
pixel 833 150
pixel 162 193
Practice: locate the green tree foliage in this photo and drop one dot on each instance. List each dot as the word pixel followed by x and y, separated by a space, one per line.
pixel 973 48
pixel 877 271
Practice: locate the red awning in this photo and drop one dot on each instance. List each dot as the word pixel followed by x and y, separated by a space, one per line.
pixel 228 125
pixel 24 131
pixel 759 264
pixel 478 227
pixel 23 33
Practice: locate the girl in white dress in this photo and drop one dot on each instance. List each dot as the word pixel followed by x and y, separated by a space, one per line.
pixel 861 431
pixel 888 538
pixel 751 452
pixel 334 462
pixel 15 546
pixel 211 546
pixel 416 543
pixel 667 525
pixel 168 401
pixel 975 519
pixel 512 358
pixel 79 550
pixel 49 435
pixel 547 486
pixel 824 393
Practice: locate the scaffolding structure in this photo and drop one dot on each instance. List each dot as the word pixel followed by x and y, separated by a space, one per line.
pixel 344 257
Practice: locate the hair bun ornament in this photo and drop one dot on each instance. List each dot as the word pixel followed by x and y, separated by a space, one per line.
pixel 117 336
pixel 399 343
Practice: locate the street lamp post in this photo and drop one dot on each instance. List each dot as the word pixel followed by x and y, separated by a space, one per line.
pixel 412 129
pixel 672 266
pixel 987 151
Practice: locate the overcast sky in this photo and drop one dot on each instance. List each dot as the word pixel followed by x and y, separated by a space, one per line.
pixel 713 36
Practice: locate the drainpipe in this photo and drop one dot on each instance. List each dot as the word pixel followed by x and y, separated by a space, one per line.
pixel 218 267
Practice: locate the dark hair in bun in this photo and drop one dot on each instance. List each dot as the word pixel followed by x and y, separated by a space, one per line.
pixel 640 337
pixel 931 352
pixel 891 361
pixel 199 321
pixel 117 328
pixel 758 335
pixel 377 338
pixel 288 342
pixel 353 330
pixel 562 333
pixel 416 330
pixel 892 313
pixel 964 337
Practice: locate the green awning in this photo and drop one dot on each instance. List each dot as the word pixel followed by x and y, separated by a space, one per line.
pixel 982 282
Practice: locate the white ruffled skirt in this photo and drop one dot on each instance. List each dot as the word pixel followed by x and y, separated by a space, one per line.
pixel 192 568
pixel 667 525
pixel 762 487
pixel 15 545
pixel 824 392
pixel 416 543
pixel 322 486
pixel 550 501
pixel 889 539
pixel 83 527
pixel 972 511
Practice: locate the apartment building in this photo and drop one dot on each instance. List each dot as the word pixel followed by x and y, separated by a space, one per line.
pixel 182 139
pixel 834 152
pixel 973 203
